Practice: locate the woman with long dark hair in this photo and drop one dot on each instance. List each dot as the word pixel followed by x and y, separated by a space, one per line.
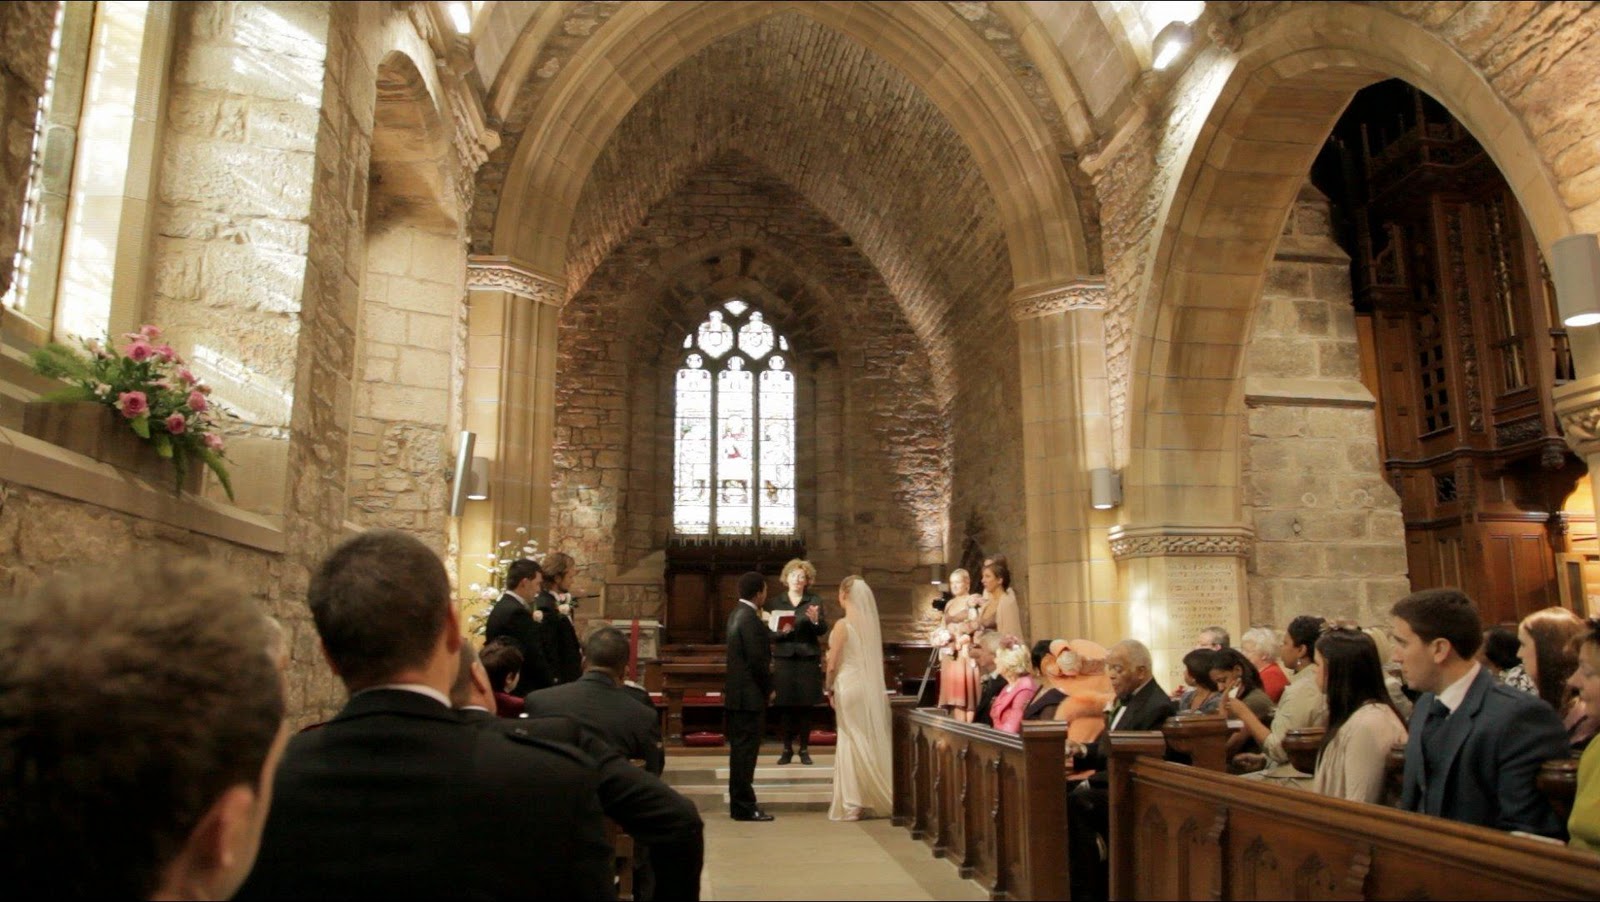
pixel 1362 723
pixel 1236 677
pixel 1548 655
pixel 1205 697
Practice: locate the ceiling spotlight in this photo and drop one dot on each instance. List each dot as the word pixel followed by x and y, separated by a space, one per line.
pixel 460 17
pixel 1171 42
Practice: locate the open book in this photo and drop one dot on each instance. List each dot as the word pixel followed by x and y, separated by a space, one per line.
pixel 778 620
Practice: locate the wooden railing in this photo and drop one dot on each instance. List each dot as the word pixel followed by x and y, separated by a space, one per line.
pixel 992 802
pixel 1187 832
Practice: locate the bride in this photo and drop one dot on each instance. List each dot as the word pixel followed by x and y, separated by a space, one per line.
pixel 862 760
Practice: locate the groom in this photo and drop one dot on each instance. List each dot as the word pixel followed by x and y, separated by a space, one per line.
pixel 746 693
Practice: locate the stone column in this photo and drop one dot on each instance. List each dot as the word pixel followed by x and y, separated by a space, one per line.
pixel 1066 432
pixel 1181 580
pixel 511 368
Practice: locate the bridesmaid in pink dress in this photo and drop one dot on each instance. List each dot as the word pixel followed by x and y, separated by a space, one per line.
pixel 958 675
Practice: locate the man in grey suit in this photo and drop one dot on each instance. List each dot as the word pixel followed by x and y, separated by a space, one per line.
pixel 602 705
pixel 1475 746
pixel 746 692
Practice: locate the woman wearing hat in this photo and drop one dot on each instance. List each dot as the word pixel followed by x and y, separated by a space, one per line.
pixel 1081 677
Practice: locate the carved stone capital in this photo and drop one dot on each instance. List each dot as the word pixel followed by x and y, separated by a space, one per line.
pixel 1161 541
pixel 488 273
pixel 1079 294
pixel 1578 409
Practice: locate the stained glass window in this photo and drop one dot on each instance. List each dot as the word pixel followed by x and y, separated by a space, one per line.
pixel 734 454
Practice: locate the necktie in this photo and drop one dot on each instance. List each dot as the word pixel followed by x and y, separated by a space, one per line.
pixel 1432 731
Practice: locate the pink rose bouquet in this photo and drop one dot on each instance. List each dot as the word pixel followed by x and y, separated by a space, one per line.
pixel 151 389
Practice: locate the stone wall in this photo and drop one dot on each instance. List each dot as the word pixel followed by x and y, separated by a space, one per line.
pixel 872 444
pixel 25 29
pixel 1330 538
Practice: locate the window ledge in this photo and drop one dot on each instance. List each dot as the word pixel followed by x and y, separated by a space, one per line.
pixel 36 464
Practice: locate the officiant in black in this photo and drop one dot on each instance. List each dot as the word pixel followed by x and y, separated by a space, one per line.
pixel 797 655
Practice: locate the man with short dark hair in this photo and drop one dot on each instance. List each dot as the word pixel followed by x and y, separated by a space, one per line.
pixel 746 693
pixel 373 804
pixel 600 704
pixel 666 827
pixel 141 720
pixel 1475 746
pixel 512 617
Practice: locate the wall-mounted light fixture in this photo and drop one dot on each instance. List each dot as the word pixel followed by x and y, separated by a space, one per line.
pixel 936 574
pixel 1105 488
pixel 1170 43
pixel 1575 270
pixel 478 483
pixel 461 476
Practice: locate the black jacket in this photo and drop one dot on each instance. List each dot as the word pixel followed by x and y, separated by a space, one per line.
pixel 400 797
pixel 804 641
pixel 988 688
pixel 561 647
pixel 1147 709
pixel 611 712
pixel 749 675
pixel 510 617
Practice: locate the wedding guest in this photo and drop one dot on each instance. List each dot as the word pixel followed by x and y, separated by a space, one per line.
pixel 512 616
pixel 1301 707
pixel 1475 746
pixel 1362 722
pixel 1000 610
pixel 1546 648
pixel 600 703
pixel 1498 654
pixel 797 656
pixel 1204 698
pixel 958 674
pixel 1086 686
pixel 503 663
pixel 1236 677
pixel 561 647
pixel 1261 645
pixel 1046 673
pixel 1402 701
pixel 1584 824
pixel 370 804
pixel 990 683
pixel 1212 637
pixel 1141 704
pixel 1011 662
pixel 141 720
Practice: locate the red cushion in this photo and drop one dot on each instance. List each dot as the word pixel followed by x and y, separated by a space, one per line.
pixel 824 737
pixel 703 740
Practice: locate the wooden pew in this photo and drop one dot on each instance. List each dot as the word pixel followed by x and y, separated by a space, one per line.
pixel 994 803
pixel 1187 832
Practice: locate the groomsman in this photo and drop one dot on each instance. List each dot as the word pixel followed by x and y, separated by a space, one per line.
pixel 746 693
pixel 512 617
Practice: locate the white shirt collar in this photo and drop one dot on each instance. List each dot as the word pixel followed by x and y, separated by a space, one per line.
pixel 751 604
pixel 474 708
pixel 1456 692
pixel 517 597
pixel 418 688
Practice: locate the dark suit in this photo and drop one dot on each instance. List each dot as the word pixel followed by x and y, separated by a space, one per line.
pixel 1479 767
pixel 650 811
pixel 1043 706
pixel 988 688
pixel 399 797
pixel 608 710
pixel 561 647
pixel 510 617
pixel 744 699
pixel 1089 804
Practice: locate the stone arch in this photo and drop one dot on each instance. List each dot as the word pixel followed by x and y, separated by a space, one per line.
pixel 1222 218
pixel 411 320
pixel 594 91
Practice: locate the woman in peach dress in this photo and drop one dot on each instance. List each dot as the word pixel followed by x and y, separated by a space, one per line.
pixel 958 674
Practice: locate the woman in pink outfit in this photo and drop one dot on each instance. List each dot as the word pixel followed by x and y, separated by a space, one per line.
pixel 1013 663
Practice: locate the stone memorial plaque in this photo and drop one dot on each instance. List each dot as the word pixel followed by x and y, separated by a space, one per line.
pixel 1201 592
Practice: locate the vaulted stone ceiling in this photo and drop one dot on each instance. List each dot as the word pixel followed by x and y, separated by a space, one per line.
pixel 850 133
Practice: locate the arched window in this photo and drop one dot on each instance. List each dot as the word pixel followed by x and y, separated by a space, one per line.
pixel 733 469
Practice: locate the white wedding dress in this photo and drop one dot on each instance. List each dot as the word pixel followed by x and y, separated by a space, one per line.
pixel 863 759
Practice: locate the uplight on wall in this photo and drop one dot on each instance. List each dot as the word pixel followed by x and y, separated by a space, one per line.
pixel 1575 270
pixel 1105 488
pixel 1170 43
pixel 478 484
pixel 936 574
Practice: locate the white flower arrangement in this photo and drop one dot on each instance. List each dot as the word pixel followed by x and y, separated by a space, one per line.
pixel 498 564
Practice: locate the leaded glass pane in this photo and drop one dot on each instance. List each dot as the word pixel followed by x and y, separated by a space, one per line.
pixel 783 343
pixel 736 306
pixel 688 341
pixel 691 509
pixel 755 338
pixel 715 336
pixel 735 451
pixel 777 449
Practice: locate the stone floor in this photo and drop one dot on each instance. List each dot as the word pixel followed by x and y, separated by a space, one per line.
pixel 803 855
